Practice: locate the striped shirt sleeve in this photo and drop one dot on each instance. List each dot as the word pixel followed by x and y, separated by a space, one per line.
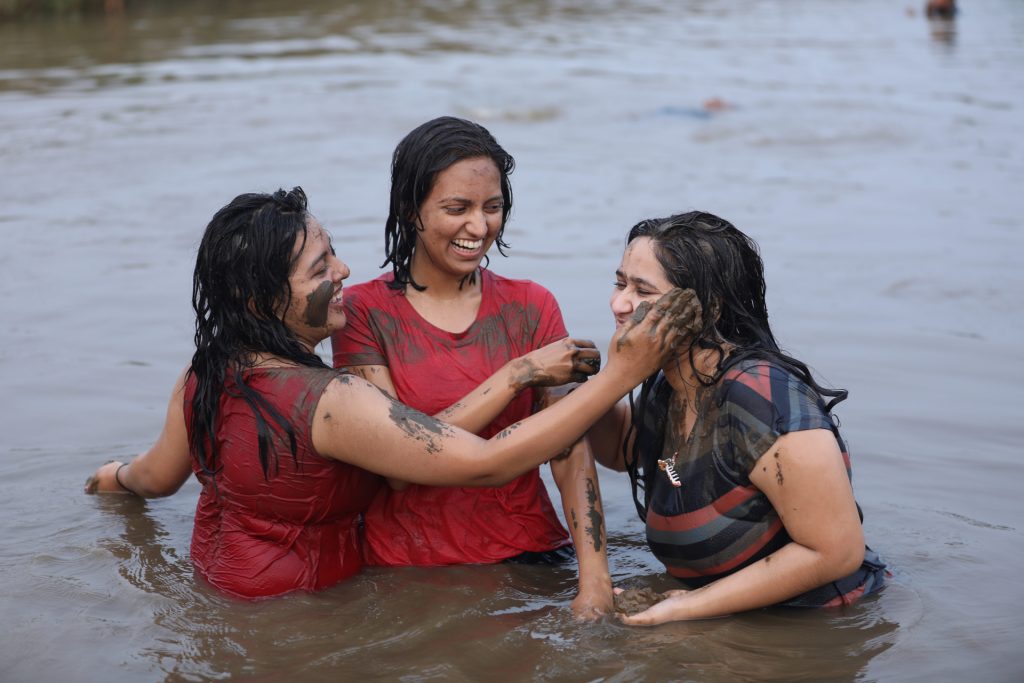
pixel 761 402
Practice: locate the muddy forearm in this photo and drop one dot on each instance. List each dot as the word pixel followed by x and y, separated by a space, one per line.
pixel 577 481
pixel 477 409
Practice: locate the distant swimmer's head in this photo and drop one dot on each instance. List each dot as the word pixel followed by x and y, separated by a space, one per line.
pixel 450 198
pixel 940 9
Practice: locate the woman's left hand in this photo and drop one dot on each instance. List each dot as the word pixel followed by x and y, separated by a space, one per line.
pixel 669 609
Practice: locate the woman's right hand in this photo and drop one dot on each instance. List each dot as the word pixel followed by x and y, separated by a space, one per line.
pixel 566 360
pixel 105 479
pixel 644 344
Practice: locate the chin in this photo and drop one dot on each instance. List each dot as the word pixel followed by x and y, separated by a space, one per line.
pixel 336 323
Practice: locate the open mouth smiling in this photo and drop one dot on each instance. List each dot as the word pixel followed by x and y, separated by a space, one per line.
pixel 468 245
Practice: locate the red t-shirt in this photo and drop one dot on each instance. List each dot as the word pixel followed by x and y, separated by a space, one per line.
pixel 297 528
pixel 431 369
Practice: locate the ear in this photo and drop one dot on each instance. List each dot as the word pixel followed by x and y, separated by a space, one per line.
pixel 254 310
pixel 713 313
pixel 251 305
pixel 416 221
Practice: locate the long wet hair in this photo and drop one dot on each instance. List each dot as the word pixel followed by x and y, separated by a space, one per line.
pixel 240 293
pixel 418 159
pixel 708 254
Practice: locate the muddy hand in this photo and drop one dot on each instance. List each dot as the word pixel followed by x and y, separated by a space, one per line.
pixel 561 362
pixel 670 606
pixel 656 331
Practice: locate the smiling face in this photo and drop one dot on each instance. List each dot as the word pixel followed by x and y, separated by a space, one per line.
pixel 639 278
pixel 458 221
pixel 316 307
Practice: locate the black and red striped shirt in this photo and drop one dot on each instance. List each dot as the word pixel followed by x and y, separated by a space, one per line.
pixel 718 522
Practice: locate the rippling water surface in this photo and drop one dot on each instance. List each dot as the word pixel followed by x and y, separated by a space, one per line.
pixel 877 158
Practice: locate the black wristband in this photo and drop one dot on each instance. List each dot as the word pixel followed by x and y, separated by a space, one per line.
pixel 117 478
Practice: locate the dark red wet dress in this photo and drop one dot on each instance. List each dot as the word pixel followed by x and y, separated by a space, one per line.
pixel 298 528
pixel 431 369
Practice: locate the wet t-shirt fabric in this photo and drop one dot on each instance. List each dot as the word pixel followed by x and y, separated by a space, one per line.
pixel 297 528
pixel 431 369
pixel 718 522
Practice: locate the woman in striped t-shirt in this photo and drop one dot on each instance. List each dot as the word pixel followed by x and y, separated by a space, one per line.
pixel 737 466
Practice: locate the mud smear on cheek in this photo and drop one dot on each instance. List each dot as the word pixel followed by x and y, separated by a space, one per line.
pixel 317 304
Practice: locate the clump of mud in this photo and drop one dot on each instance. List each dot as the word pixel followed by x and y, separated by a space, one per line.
pixel 635 600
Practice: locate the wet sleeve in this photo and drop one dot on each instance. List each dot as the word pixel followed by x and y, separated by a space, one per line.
pixel 758 405
pixel 357 343
pixel 550 325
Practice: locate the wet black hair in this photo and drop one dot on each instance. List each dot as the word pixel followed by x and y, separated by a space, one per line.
pixel 240 293
pixel 421 155
pixel 708 254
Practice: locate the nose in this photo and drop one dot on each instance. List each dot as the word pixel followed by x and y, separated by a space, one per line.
pixel 621 303
pixel 342 269
pixel 476 225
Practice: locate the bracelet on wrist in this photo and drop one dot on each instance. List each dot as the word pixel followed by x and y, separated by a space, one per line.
pixel 117 478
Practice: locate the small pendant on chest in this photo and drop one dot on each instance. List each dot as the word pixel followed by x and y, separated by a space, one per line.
pixel 669 468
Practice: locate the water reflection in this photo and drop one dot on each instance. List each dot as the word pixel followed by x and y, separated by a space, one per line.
pixel 418 622
pixel 193 30
pixel 943 30
pixel 146 558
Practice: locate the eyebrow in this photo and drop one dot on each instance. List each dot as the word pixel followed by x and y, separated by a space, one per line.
pixel 323 254
pixel 316 262
pixel 637 280
pixel 464 200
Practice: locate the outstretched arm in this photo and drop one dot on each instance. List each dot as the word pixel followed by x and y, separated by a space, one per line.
pixel 563 361
pixel 162 469
pixel 357 423
pixel 805 479
pixel 566 360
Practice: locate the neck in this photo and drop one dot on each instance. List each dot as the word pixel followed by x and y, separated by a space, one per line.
pixel 439 285
pixel 269 360
pixel 679 371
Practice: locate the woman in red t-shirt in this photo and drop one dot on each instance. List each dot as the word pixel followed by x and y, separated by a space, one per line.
pixel 281 443
pixel 449 337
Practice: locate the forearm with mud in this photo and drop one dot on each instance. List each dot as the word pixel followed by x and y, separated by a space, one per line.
pixel 576 477
pixel 535 440
pixel 480 407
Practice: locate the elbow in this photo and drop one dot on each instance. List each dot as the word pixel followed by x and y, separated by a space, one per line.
pixel 147 485
pixel 852 560
pixel 613 465
pixel 844 558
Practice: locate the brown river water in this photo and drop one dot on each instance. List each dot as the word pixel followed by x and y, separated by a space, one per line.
pixel 877 157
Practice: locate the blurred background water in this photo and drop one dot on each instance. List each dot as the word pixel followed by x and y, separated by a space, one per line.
pixel 875 155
